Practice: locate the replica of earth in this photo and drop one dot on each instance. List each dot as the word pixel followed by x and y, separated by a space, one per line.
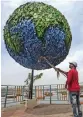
pixel 36 29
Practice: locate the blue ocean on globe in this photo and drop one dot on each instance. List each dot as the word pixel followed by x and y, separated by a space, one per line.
pixel 33 48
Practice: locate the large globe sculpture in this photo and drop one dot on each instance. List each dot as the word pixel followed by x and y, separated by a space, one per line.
pixel 36 29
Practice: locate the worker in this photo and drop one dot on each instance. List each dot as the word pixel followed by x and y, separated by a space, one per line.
pixel 72 85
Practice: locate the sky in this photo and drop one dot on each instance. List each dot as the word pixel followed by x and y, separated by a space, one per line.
pixel 14 74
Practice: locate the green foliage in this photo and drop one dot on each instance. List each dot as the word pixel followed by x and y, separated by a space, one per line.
pixel 43 16
pixel 12 41
pixel 28 80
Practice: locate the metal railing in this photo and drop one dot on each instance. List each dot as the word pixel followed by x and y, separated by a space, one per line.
pixel 11 94
pixel 52 94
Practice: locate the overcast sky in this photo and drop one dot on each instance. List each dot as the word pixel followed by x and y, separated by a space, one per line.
pixel 14 74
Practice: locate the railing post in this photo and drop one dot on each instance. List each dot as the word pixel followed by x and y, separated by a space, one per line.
pixel 6 97
pixel 50 94
pixel 14 93
pixel 22 92
pixel 35 92
pixel 43 92
pixel 57 93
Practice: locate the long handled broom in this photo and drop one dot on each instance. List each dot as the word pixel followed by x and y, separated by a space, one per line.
pixel 56 69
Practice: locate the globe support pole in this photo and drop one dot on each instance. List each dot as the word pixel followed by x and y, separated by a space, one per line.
pixel 31 88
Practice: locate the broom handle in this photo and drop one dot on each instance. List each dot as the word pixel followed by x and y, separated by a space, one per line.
pixel 53 66
pixel 50 64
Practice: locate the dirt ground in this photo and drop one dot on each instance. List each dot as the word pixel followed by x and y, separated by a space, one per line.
pixel 42 110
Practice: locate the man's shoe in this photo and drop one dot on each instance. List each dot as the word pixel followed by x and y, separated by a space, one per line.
pixel 80 114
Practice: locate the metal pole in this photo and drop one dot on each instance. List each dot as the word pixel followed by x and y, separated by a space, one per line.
pixel 50 95
pixel 43 92
pixel 6 97
pixel 31 88
pixel 35 92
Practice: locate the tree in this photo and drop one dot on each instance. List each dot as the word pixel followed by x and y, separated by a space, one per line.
pixel 28 81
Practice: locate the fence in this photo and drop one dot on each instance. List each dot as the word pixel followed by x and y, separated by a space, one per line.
pixel 52 94
pixel 11 94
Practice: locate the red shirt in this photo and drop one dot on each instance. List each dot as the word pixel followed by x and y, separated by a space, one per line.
pixel 72 80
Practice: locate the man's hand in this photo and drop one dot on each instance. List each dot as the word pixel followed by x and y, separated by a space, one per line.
pixel 58 69
pixel 63 72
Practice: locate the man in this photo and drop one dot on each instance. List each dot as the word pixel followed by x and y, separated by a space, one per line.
pixel 73 87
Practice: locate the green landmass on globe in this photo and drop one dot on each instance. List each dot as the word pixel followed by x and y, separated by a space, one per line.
pixel 43 16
